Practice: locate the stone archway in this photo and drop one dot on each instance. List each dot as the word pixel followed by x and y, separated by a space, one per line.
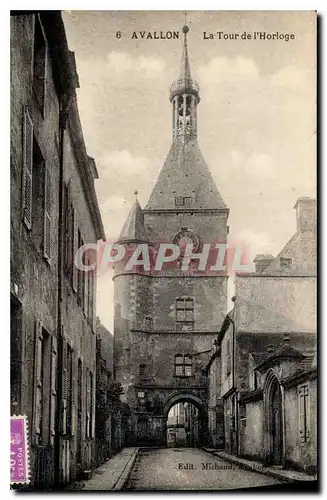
pixel 274 440
pixel 187 397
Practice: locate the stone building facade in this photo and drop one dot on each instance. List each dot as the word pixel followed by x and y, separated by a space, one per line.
pixel 53 210
pixel 268 363
pixel 166 321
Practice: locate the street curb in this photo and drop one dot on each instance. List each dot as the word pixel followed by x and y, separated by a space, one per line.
pixel 261 470
pixel 124 477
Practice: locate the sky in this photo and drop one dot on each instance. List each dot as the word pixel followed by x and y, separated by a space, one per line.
pixel 256 118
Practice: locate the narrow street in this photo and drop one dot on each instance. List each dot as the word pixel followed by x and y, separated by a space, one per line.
pixel 190 468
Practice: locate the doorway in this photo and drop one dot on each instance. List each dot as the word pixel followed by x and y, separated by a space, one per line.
pixel 276 424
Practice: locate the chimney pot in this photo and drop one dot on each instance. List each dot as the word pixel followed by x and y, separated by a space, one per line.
pixel 262 261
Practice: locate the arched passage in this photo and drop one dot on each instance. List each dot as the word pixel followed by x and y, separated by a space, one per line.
pixel 185 420
pixel 274 419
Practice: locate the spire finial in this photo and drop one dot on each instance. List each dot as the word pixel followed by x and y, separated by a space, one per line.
pixel 136 193
pixel 185 65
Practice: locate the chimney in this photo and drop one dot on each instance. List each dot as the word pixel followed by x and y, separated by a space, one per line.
pixel 262 261
pixel 305 214
pixel 286 339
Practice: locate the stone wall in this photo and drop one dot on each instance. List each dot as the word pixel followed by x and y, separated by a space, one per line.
pixel 276 304
pixel 252 445
pixel 301 455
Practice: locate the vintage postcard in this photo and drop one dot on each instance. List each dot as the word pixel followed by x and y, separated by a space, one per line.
pixel 163 250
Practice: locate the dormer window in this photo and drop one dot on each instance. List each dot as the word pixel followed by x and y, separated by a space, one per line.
pixel 285 263
pixel 183 201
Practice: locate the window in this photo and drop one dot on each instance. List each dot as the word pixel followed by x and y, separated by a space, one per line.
pixel 183 201
pixel 89 405
pixel 285 263
pixel 41 403
pixel 80 276
pixel 39 63
pixel 36 191
pixel 90 277
pixel 148 324
pixel 183 366
pixel 184 309
pixel 228 358
pixel 140 395
pixel 47 214
pixel 28 160
pixel 303 393
pixel 69 228
pixel 79 409
pixel 142 370
pixel 69 389
pixel 86 289
pixel 257 380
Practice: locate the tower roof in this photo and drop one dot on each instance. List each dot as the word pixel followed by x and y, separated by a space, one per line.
pixel 185 174
pixel 133 229
pixel 185 83
pixel 185 64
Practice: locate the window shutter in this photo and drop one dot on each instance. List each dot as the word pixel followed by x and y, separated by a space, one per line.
pixel 64 387
pixel 75 245
pixel 27 191
pixel 86 289
pixel 66 227
pixel 88 395
pixel 47 214
pixel 92 404
pixel 303 393
pixel 53 387
pixel 38 378
pixel 73 394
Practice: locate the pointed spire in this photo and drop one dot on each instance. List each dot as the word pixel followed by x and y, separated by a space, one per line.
pixel 185 83
pixel 133 229
pixel 185 63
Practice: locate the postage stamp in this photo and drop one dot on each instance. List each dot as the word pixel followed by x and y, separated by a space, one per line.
pixel 19 464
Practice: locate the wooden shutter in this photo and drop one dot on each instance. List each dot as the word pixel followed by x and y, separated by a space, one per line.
pixel 27 190
pixel 53 392
pixel 92 405
pixel 303 393
pixel 92 291
pixel 66 227
pixel 73 394
pixel 74 250
pixel 38 389
pixel 47 214
pixel 86 289
pixel 64 381
pixel 88 398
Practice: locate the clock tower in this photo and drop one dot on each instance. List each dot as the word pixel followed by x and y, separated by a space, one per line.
pixel 165 323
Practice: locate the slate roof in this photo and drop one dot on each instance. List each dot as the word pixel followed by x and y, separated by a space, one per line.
pixel 284 351
pixel 185 173
pixel 133 229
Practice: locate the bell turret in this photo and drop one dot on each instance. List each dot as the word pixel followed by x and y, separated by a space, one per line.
pixel 184 96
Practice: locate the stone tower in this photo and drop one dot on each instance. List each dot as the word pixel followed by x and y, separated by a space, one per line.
pixel 165 322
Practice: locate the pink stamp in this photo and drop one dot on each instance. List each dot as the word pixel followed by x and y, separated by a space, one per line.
pixel 19 465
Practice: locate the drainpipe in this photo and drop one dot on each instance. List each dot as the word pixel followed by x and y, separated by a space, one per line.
pixel 233 385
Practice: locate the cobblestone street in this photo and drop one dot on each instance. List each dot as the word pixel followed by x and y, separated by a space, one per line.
pixel 190 468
